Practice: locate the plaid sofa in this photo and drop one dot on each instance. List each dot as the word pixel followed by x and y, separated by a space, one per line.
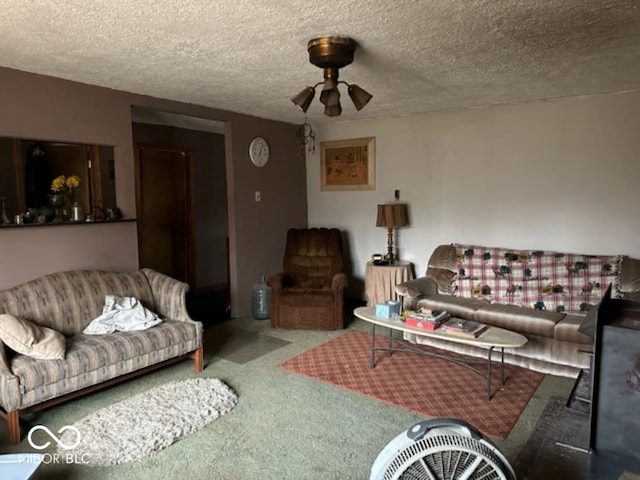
pixel 67 302
pixel 542 295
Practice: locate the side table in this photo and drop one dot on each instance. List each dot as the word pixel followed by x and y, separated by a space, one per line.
pixel 380 280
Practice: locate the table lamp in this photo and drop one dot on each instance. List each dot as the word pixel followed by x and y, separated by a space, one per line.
pixel 392 215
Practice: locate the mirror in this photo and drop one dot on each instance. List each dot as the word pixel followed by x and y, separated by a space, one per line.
pixel 28 168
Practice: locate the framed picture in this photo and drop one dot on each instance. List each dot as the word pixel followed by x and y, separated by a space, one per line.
pixel 348 164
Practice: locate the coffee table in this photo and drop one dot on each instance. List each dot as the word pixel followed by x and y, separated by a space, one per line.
pixel 491 338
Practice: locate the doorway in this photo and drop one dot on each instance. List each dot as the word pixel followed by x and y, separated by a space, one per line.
pixel 208 298
pixel 163 203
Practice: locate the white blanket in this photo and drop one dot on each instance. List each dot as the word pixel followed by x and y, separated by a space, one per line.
pixel 123 314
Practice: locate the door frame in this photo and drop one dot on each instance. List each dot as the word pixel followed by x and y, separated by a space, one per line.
pixel 189 201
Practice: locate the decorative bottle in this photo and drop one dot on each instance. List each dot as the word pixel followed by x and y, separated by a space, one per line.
pixel 4 220
pixel 260 299
pixel 77 212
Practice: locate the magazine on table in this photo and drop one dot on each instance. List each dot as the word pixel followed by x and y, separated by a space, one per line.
pixel 426 319
pixel 463 328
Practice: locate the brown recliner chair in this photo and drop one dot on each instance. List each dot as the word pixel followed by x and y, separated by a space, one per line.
pixel 309 292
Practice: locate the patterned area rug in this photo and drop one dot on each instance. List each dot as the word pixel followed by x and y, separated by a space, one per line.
pixel 424 385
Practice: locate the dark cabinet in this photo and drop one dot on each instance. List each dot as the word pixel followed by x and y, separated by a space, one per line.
pixel 615 395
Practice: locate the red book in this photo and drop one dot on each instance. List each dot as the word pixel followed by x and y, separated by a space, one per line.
pixel 426 321
pixel 414 322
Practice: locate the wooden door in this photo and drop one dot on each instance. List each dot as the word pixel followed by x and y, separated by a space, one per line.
pixel 163 195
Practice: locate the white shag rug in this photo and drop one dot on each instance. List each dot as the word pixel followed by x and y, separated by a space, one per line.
pixel 148 422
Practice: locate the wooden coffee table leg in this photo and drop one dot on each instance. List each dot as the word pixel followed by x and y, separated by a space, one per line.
pixel 502 364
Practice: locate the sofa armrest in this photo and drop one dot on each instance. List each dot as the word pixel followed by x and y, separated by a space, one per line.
pixel 10 396
pixel 418 287
pixel 412 290
pixel 169 295
pixel 5 369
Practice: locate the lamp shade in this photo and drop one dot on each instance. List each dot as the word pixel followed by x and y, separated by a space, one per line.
pixel 304 98
pixel 392 215
pixel 359 96
pixel 333 111
pixel 330 95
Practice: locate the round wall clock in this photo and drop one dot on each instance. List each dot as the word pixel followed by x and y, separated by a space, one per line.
pixel 259 151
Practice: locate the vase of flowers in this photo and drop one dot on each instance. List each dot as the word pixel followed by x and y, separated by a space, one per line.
pixel 64 190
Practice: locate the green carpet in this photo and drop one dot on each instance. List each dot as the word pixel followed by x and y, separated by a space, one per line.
pixel 284 426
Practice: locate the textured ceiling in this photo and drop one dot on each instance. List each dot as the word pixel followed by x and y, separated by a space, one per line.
pixel 250 56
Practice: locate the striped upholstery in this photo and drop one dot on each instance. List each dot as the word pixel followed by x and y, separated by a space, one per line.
pixel 67 302
pixel 91 359
pixel 534 355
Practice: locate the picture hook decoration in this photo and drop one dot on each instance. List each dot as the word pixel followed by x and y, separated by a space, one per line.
pixel 307 136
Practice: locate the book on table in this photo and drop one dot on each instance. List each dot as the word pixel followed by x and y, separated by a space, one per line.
pixel 426 321
pixel 463 328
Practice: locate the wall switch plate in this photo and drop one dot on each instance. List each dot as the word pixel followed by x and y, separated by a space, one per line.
pixel 258 196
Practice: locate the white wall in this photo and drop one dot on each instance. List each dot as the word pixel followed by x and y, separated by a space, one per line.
pixel 559 175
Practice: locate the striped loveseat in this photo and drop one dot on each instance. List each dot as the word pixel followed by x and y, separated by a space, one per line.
pixel 67 302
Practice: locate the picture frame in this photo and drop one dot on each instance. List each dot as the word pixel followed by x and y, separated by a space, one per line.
pixel 347 164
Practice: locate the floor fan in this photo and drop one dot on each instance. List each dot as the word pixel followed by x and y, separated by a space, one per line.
pixel 441 449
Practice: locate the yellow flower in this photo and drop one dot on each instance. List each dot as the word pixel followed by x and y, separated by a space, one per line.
pixel 73 181
pixel 58 184
pixel 62 184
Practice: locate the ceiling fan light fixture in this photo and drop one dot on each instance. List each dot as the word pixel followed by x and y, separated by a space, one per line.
pixel 359 96
pixel 331 53
pixel 304 98
pixel 333 111
pixel 330 95
pixel 330 87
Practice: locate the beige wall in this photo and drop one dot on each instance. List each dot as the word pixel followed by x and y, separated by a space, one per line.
pixel 559 175
pixel 40 107
pixel 31 251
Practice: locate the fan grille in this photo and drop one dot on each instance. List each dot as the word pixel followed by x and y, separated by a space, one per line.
pixel 445 457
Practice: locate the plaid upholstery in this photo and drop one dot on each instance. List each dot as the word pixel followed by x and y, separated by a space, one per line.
pixel 543 295
pixel 67 302
pixel 553 281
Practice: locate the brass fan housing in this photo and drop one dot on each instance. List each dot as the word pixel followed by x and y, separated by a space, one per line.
pixel 331 52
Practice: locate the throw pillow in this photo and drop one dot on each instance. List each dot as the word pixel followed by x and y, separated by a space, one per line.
pixel 30 339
